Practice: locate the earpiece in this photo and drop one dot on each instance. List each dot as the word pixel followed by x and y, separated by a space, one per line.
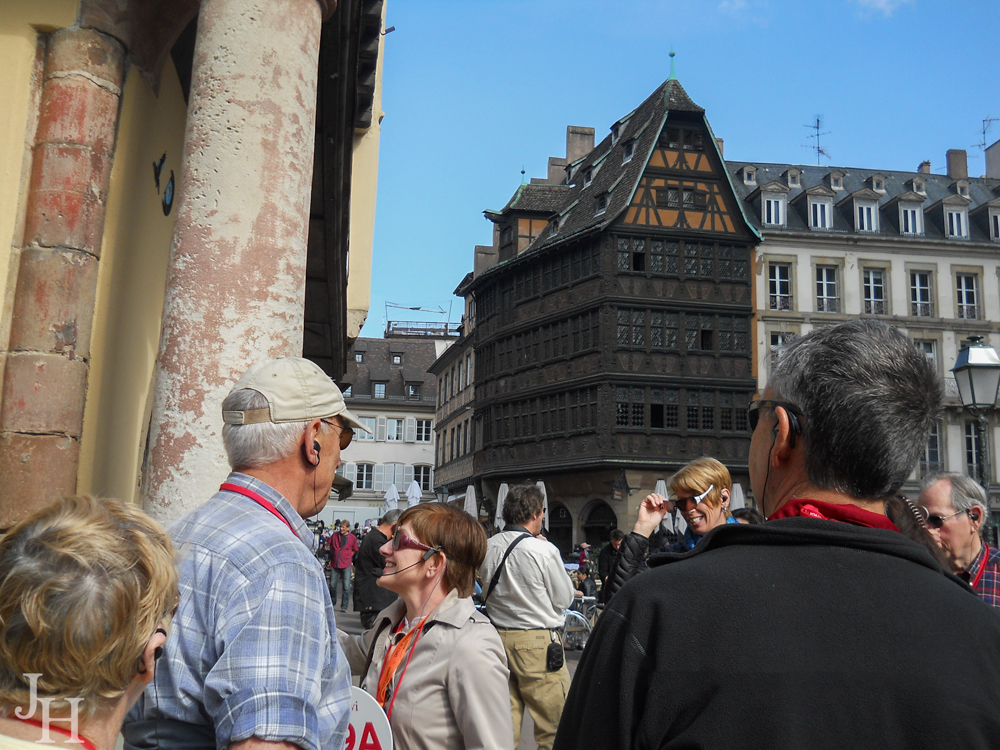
pixel 429 553
pixel 316 447
pixel 794 429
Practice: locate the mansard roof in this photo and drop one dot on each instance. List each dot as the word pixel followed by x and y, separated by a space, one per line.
pixel 898 188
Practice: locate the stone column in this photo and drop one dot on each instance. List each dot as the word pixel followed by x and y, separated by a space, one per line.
pixel 236 282
pixel 45 379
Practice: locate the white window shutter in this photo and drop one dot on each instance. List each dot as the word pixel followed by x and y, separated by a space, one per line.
pixel 380 430
pixel 411 429
pixel 379 477
pixel 431 483
pixel 394 475
pixel 407 475
pixel 351 471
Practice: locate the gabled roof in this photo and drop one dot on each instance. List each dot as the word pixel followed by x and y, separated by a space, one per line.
pixel 541 198
pixel 616 179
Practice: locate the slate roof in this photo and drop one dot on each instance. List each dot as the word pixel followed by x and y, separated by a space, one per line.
pixel 377 367
pixel 938 187
pixel 546 199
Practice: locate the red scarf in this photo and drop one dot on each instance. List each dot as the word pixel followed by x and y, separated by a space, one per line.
pixel 843 512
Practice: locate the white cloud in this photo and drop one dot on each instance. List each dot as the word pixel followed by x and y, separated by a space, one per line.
pixel 885 7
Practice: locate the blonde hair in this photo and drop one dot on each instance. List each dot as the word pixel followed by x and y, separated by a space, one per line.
pixel 84 583
pixel 695 477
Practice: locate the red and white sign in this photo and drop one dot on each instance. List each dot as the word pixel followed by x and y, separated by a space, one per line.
pixel 369 728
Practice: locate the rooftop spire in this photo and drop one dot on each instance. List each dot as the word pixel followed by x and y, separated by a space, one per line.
pixel 673 75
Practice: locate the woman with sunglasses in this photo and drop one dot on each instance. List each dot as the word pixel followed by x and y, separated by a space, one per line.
pixel 432 661
pixel 701 491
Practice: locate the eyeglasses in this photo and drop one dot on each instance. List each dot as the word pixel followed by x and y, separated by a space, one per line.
pixel 346 433
pixel 753 410
pixel 694 498
pixel 402 541
pixel 936 522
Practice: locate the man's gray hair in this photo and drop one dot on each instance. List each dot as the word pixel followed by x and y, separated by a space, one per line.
pixel 390 518
pixel 250 446
pixel 966 493
pixel 868 398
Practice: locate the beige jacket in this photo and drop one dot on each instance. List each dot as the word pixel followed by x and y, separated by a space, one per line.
pixel 454 692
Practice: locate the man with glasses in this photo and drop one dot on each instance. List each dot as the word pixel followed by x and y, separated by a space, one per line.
pixel 823 627
pixel 957 511
pixel 253 662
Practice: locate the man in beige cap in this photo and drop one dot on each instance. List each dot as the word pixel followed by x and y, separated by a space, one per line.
pixel 253 662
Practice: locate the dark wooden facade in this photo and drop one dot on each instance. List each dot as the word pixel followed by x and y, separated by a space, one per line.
pixel 621 338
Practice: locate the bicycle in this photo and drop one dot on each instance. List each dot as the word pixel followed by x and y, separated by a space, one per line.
pixel 578 622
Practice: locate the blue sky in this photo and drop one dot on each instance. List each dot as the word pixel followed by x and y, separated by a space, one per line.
pixel 473 91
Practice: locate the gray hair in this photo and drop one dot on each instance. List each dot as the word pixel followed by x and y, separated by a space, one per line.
pixel 966 493
pixel 390 518
pixel 868 397
pixel 250 446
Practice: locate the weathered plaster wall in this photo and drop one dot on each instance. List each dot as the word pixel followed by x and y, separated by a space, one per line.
pixel 131 284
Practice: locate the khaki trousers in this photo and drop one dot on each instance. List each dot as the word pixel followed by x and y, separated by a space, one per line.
pixel 531 685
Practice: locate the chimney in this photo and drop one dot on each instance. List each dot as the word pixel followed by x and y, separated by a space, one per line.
pixel 557 170
pixel 958 164
pixel 925 167
pixel 719 143
pixel 993 161
pixel 579 142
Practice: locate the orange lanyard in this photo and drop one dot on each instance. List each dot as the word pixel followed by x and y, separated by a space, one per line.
pixel 392 661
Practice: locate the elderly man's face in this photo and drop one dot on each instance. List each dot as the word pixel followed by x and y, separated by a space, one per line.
pixel 958 535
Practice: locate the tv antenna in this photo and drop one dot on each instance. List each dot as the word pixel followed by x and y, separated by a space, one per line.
pixel 817 126
pixel 987 124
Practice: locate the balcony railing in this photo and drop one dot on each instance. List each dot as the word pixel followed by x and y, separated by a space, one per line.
pixel 922 309
pixel 968 312
pixel 781 302
pixel 875 307
pixel 827 304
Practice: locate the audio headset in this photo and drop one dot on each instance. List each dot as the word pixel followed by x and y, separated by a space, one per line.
pixel 379 573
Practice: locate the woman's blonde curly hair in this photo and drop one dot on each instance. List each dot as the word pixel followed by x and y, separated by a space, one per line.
pixel 84 583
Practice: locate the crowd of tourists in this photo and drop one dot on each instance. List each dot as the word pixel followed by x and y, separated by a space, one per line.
pixel 851 616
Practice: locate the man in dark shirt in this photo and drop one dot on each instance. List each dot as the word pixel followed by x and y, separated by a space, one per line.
pixel 824 627
pixel 369 597
pixel 606 559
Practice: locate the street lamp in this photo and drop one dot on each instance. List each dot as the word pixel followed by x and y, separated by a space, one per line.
pixel 977 374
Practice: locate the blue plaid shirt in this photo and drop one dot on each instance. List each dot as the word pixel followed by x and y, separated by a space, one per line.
pixel 253 649
pixel 984 574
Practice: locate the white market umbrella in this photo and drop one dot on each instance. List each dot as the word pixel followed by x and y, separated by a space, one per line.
pixel 391 498
pixel 413 493
pixel 501 496
pixel 470 502
pixel 737 501
pixel 545 503
pixel 682 525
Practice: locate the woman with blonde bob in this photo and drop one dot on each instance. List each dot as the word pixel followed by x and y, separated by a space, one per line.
pixel 701 491
pixel 87 588
pixel 433 662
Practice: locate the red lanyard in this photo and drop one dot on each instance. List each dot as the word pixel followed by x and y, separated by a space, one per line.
pixel 260 500
pixel 79 738
pixel 982 568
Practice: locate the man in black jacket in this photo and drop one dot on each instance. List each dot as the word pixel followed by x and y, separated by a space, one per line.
pixel 369 597
pixel 824 627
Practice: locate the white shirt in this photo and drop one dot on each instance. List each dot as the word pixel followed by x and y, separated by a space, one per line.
pixel 534 588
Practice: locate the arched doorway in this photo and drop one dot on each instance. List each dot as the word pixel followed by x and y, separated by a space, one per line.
pixel 560 527
pixel 600 521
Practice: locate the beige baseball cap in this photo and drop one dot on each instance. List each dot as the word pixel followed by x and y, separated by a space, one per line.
pixel 296 390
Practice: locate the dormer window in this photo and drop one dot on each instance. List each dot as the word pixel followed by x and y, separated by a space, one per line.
pixel 773 210
pixel 867 213
pixel 910 219
pixel 794 178
pixel 919 185
pixel 616 131
pixel 962 188
pixel 627 151
pixel 878 183
pixel 602 204
pixel 749 175
pixel 820 213
pixel 836 181
pixel 995 225
pixel 588 177
pixel 397 358
pixel 956 222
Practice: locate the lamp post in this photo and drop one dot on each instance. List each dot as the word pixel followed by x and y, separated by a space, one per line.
pixel 977 374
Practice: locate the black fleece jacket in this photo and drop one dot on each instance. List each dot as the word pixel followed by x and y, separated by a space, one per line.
pixel 797 633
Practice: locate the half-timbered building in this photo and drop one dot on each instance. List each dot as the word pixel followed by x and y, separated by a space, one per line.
pixel 613 333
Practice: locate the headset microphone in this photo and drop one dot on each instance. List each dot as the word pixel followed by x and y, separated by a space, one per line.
pixel 379 572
